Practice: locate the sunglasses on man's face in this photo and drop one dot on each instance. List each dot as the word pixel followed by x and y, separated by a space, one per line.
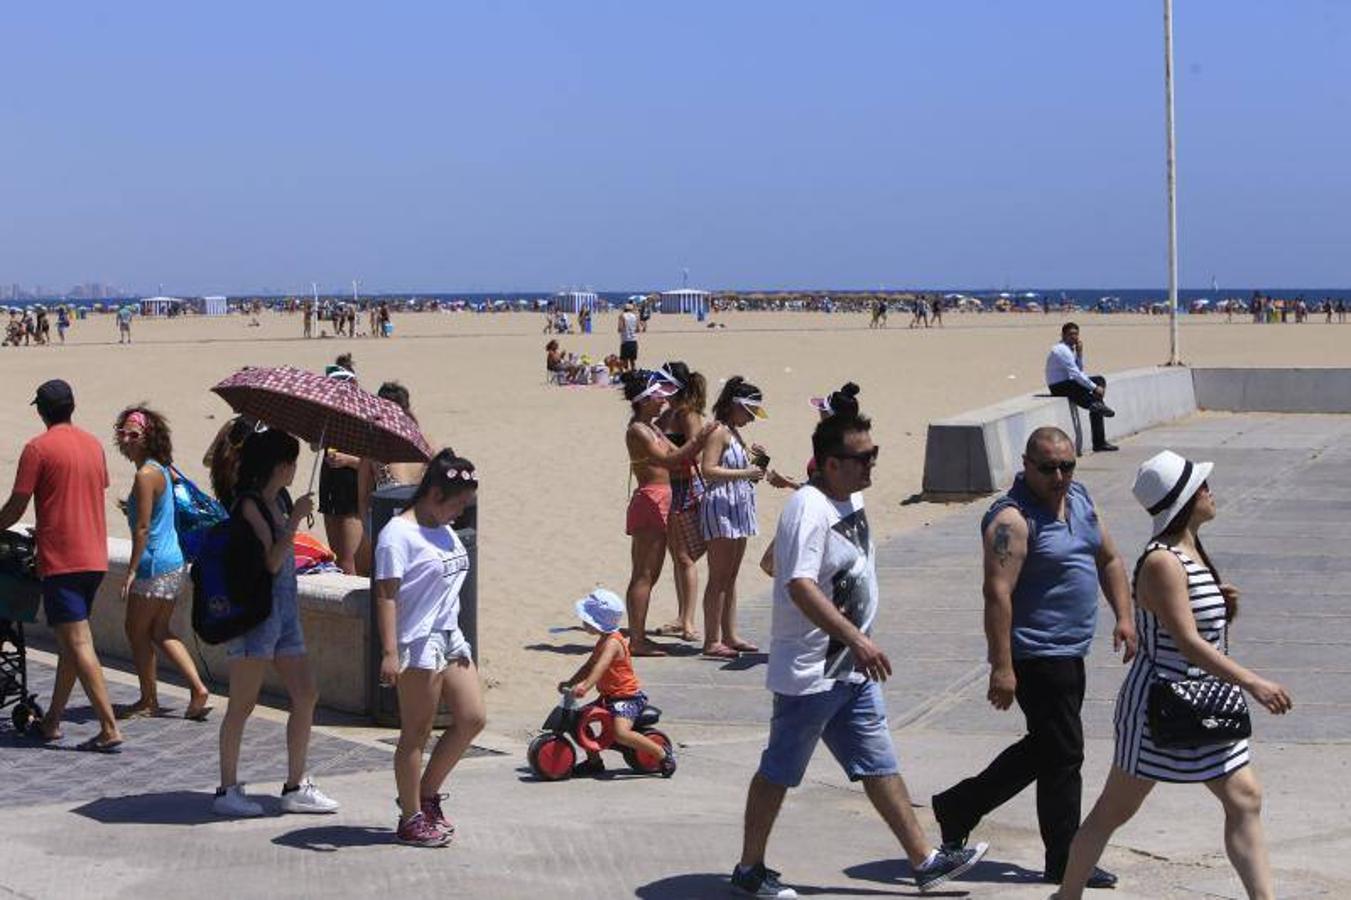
pixel 867 457
pixel 1050 468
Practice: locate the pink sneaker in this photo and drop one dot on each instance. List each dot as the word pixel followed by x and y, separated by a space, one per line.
pixel 431 811
pixel 416 831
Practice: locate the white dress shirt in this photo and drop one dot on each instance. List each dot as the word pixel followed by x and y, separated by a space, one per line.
pixel 1063 364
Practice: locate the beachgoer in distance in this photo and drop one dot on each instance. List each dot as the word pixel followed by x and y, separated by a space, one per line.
pixel 267 465
pixel 727 512
pixel 684 416
pixel 374 474
pixel 420 567
pixel 156 568
pixel 1046 551
pixel 1183 614
pixel 652 457
pixel 62 322
pixel 307 315
pixel 1065 377
pixel 824 668
pixel 64 472
pixel 609 670
pixel 124 314
pixel 338 489
pixel 628 338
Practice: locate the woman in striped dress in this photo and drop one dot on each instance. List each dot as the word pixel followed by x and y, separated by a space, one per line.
pixel 1182 618
pixel 727 511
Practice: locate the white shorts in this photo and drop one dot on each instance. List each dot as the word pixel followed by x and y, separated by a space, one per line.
pixel 435 651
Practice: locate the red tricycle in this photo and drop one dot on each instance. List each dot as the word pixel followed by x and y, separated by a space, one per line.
pixel 573 724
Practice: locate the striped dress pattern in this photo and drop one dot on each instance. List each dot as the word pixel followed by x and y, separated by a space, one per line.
pixel 727 509
pixel 1136 753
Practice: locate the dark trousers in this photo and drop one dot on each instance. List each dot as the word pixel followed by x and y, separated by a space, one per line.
pixel 1050 693
pixel 1082 396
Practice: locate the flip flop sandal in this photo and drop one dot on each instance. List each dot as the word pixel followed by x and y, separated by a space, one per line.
pixel 126 713
pixel 744 647
pixel 669 630
pixel 653 650
pixel 720 652
pixel 94 745
pixel 198 715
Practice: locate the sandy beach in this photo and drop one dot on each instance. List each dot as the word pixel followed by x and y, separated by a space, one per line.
pixel 552 461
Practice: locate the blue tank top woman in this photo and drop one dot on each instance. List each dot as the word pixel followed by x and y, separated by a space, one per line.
pixel 162 552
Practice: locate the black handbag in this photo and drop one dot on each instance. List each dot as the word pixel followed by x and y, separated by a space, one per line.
pixel 1196 712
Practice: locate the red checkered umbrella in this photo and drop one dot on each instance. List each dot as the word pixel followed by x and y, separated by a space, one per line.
pixel 329 411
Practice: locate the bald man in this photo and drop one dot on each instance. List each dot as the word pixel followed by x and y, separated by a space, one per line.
pixel 1045 553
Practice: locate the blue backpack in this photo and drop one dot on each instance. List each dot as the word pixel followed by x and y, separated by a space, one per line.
pixel 195 512
pixel 231 586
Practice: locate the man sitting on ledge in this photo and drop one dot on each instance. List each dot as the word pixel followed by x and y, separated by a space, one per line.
pixel 1065 378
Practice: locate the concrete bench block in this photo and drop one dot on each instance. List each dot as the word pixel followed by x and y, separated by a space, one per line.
pixel 334 615
pixel 1274 390
pixel 980 451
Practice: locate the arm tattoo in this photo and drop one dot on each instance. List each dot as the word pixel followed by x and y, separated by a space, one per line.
pixel 1001 543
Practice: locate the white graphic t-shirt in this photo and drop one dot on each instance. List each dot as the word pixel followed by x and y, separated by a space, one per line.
pixel 827 541
pixel 431 564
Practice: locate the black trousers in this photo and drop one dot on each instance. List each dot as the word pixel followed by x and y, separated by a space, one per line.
pixel 1082 396
pixel 1050 693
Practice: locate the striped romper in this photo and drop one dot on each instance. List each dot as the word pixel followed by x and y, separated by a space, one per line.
pixel 1159 657
pixel 728 507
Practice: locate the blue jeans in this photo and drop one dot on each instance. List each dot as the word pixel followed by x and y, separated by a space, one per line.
pixel 850 718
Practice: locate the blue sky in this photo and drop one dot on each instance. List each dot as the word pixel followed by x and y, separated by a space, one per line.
pixel 514 146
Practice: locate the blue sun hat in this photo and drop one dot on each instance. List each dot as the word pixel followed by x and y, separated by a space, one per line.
pixel 602 610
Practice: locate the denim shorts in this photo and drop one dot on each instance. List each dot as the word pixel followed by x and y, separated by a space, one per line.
pixel 69 597
pixel 850 718
pixel 434 651
pixel 277 635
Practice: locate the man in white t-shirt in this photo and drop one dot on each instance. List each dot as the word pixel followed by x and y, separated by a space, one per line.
pixel 824 669
pixel 628 338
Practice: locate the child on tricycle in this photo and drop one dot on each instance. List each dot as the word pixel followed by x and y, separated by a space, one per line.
pixel 609 669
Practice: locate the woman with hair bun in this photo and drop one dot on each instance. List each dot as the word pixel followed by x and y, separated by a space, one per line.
pixel 652 457
pixel 727 512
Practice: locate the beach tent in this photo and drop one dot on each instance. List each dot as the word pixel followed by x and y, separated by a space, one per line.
pixel 159 306
pixel 685 300
pixel 214 306
pixel 575 301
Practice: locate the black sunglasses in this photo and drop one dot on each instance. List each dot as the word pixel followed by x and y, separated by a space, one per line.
pixel 1050 468
pixel 866 456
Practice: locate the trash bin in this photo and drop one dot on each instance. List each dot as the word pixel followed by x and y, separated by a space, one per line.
pixel 386 503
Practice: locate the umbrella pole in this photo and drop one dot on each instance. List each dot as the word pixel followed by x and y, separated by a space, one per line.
pixel 314 470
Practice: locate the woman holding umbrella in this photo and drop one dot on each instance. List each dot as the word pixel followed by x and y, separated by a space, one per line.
pixel 267 465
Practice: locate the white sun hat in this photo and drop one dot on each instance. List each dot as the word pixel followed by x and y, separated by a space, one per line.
pixel 1165 483
pixel 602 610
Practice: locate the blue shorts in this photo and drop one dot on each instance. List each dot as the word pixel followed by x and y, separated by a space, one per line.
pixel 69 597
pixel 277 635
pixel 626 707
pixel 850 718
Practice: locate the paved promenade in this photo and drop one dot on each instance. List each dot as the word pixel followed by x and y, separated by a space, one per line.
pixel 139 824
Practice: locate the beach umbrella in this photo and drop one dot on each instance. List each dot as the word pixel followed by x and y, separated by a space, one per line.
pixel 329 412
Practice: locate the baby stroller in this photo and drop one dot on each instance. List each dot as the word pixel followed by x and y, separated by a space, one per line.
pixel 20 595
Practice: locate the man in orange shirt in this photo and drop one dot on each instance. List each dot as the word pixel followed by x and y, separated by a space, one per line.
pixel 64 470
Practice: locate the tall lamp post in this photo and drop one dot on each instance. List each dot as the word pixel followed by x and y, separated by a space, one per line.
pixel 1174 358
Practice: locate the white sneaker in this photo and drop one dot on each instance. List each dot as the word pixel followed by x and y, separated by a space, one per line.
pixel 235 804
pixel 307 799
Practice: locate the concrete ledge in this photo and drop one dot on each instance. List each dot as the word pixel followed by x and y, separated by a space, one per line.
pixel 334 614
pixel 1274 390
pixel 978 451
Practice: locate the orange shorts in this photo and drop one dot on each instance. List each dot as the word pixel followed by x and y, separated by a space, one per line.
pixel 649 508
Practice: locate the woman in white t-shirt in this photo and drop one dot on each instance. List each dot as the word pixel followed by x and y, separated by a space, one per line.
pixel 420 566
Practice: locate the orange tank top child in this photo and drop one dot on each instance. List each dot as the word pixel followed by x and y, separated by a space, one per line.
pixel 619 680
